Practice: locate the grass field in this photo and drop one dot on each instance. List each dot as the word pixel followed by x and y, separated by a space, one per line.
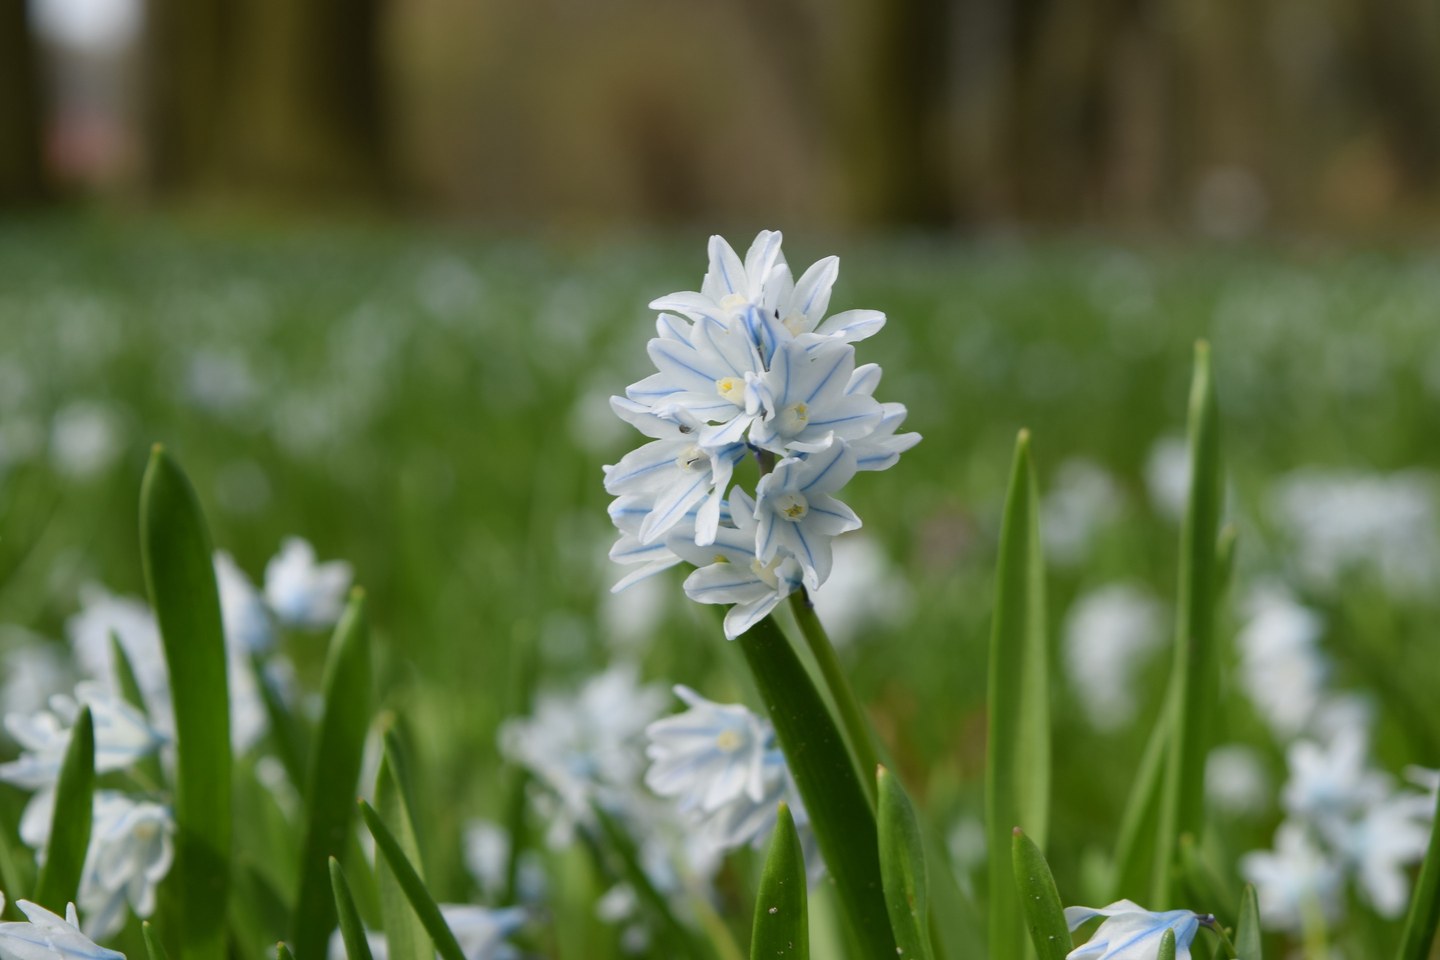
pixel 431 407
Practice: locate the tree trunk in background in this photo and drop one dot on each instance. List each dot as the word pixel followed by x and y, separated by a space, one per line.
pixel 22 171
pixel 188 60
pixel 275 99
pixel 308 100
pixel 911 52
pixel 1397 61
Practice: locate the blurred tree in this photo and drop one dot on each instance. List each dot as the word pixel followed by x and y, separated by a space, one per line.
pixel 187 55
pixel 22 172
pixel 270 97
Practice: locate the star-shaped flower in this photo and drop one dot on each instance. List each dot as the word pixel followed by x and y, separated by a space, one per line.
pixel 1130 932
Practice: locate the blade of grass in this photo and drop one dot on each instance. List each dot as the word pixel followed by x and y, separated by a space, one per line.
pixel 1167 945
pixel 352 931
pixel 1017 775
pixel 902 868
pixel 405 935
pixel 1418 939
pixel 282 951
pixel 821 764
pixel 1247 928
pixel 1039 899
pixel 153 949
pixel 1195 671
pixel 70 820
pixel 180 576
pixel 424 904
pixel 782 918
pixel 334 772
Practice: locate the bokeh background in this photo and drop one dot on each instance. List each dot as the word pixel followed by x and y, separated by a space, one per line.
pixel 1224 118
pixel 372 269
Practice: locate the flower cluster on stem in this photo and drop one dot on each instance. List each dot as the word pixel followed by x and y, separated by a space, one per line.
pixel 750 366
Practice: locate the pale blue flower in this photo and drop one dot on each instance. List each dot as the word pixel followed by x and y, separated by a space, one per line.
pixel 46 936
pixel 303 593
pixel 728 571
pixel 796 514
pixel 1130 932
pixel 131 850
pixel 805 399
pixel 122 736
pixel 243 613
pixel 708 756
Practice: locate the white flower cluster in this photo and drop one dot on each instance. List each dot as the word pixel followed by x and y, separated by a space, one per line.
pixel 1344 818
pixel 750 365
pixel 722 763
pixel 131 849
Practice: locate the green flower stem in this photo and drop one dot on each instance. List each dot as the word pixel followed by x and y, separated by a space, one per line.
pixel 824 771
pixel 852 715
pixel 1218 929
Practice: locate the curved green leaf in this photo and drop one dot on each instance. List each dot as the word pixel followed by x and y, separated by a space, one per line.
pixel 1017 775
pixel 282 951
pixel 1194 683
pixel 180 575
pixel 1167 945
pixel 782 918
pixel 410 882
pixel 820 762
pixel 334 772
pixel 352 931
pixel 153 949
pixel 902 868
pixel 71 820
pixel 405 935
pixel 1247 928
pixel 1039 899
pixel 1419 937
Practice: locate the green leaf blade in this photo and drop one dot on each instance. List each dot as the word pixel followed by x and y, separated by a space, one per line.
pixel 414 888
pixel 333 776
pixel 1418 939
pixel 405 935
pixel 1247 928
pixel 1167 945
pixel 902 868
pixel 1039 899
pixel 1017 781
pixel 782 918
pixel 1194 685
pixel 71 819
pixel 180 576
pixel 821 764
pixel 352 931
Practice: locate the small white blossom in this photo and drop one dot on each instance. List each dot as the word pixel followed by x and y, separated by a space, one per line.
pixel 795 512
pixel 728 571
pixel 584 747
pixel 46 936
pixel 1281 666
pixel 1333 783
pixel 303 593
pixel 1295 881
pixel 1130 932
pixel 805 398
pixel 131 851
pixel 709 755
pixel 245 617
pixel 122 736
pixel 1109 633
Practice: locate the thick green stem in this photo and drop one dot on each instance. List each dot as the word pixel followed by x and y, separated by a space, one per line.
pixel 852 715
